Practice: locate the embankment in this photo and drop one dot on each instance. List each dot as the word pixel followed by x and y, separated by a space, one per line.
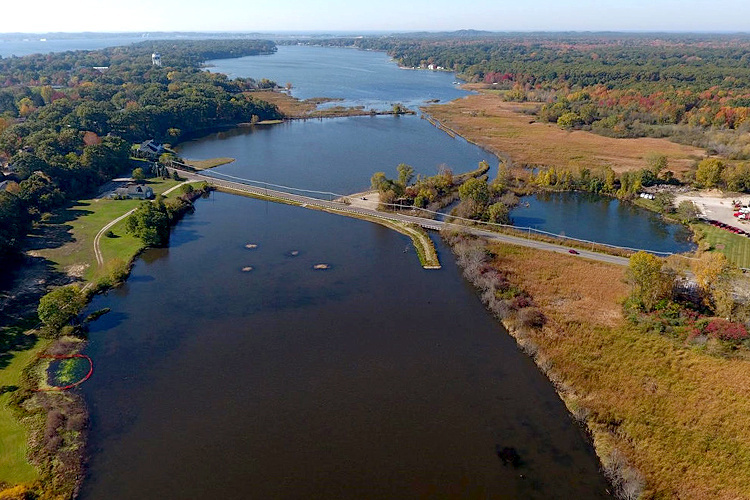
pixel 666 419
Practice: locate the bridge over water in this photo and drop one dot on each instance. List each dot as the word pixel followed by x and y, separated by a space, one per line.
pixel 336 203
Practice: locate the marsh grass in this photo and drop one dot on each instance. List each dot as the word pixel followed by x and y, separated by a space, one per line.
pixel 665 415
pixel 507 129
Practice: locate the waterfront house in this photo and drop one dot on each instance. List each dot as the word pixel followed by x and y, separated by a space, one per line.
pixel 150 149
pixel 135 191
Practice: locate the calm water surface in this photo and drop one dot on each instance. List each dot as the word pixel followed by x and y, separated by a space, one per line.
pixel 375 379
pixel 36 46
pixel 338 155
pixel 600 218
pixel 362 78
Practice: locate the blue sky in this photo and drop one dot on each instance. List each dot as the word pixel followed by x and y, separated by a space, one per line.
pixel 374 15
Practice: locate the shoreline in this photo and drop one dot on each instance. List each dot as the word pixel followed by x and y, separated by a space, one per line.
pixel 33 402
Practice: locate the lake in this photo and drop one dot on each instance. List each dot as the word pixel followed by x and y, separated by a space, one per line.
pixel 36 45
pixel 358 77
pixel 338 155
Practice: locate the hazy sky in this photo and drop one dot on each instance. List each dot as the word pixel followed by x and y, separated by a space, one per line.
pixel 370 15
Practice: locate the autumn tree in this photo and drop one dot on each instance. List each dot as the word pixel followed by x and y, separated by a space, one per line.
pixel 714 275
pixel 650 280
pixel 687 211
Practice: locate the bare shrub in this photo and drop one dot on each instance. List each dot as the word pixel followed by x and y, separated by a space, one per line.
pixel 626 479
pixel 531 317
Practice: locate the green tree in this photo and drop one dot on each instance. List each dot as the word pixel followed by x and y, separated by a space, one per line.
pixel 150 222
pixel 60 306
pixel 656 163
pixel 569 120
pixel 664 202
pixel 708 174
pixel 650 280
pixel 475 190
pixel 499 213
pixel 138 174
pixel 405 174
pixel 378 181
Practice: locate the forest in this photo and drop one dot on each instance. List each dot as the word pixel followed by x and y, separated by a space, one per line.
pixel 693 89
pixel 68 120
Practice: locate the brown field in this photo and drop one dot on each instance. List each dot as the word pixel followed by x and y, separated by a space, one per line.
pixel 504 128
pixel 287 104
pixel 297 109
pixel 679 415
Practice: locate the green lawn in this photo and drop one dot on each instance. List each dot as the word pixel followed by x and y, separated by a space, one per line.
pixel 734 246
pixel 84 219
pixel 18 350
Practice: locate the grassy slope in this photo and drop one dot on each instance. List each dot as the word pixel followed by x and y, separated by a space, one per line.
pixel 503 128
pixel 680 415
pixel 734 246
pixel 14 468
pixel 85 219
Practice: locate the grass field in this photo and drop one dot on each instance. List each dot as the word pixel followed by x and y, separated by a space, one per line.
pixel 17 351
pixel 677 413
pixel 83 220
pixel 734 246
pixel 504 128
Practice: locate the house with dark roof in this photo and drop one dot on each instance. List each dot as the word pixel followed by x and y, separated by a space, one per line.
pixel 150 149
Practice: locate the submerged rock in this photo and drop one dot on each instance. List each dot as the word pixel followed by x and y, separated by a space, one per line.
pixel 508 455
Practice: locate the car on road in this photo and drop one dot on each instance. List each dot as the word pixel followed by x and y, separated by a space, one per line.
pixel 574 252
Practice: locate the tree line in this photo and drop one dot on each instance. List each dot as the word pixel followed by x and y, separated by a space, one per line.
pixel 692 88
pixel 67 127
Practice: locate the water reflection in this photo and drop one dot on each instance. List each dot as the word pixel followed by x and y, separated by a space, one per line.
pixel 374 376
pixel 603 219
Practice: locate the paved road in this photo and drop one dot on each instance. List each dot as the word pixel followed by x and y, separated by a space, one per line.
pixel 435 225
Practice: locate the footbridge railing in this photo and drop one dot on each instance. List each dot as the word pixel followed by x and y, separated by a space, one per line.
pixel 421 216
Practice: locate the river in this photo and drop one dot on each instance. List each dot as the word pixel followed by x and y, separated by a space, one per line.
pixel 374 379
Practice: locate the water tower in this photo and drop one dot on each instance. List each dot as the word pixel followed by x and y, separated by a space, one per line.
pixel 156 59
